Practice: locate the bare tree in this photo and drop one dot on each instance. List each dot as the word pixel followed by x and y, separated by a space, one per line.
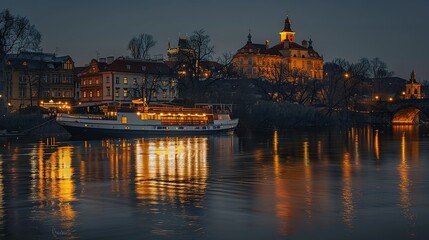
pixel 140 46
pixel 190 64
pixel 16 34
pixel 341 84
pixel 225 60
pixel 280 83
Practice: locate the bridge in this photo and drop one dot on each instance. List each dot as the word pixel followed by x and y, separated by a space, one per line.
pixel 405 112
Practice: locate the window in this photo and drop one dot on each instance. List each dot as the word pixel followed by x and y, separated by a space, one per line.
pixel 128 67
pixel 22 91
pixel 117 80
pixel 84 82
pixel 97 81
pixel 173 83
pixel 125 80
pixel 125 93
pixel 164 83
pixel 84 94
pixel 98 93
pixel 164 93
pixel 134 81
pixel 117 93
pixel 90 82
pixel 107 79
pixel 124 120
pixel 90 94
pixel 107 91
pixel 55 78
pixel 154 94
pixel 68 65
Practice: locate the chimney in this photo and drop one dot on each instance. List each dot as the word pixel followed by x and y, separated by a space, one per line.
pixel 102 60
pixel 267 44
pixel 110 59
pixel 304 43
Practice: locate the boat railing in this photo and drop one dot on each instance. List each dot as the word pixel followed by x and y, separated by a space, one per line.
pixel 174 110
pixel 91 116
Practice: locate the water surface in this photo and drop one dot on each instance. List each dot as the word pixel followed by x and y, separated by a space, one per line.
pixel 339 184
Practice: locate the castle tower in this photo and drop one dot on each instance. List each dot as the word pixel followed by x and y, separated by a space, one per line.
pixel 413 88
pixel 287 34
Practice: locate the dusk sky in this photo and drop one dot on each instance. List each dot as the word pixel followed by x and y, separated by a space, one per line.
pixel 396 31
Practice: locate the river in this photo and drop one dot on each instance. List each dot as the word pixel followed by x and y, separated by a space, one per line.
pixel 356 183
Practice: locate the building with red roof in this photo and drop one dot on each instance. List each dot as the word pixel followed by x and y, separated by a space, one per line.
pixel 260 60
pixel 125 79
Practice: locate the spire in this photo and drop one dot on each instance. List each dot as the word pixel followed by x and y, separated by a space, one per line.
pixel 413 77
pixel 249 37
pixel 287 27
pixel 310 43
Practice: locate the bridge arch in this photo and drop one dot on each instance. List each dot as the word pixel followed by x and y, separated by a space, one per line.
pixel 408 115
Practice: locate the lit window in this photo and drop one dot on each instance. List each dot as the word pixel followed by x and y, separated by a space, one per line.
pixel 90 94
pixel 154 94
pixel 164 93
pixel 125 80
pixel 124 120
pixel 84 94
pixel 125 93
pixel 90 82
pixel 98 93
pixel 117 93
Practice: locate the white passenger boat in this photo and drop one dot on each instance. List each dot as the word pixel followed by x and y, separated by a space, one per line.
pixel 149 120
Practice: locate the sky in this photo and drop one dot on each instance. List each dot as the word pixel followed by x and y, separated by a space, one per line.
pixel 396 31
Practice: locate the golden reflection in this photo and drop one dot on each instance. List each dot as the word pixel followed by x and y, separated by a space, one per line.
pixel 171 169
pixel 55 187
pixel 376 146
pixel 347 193
pixel 308 180
pixel 405 183
pixel 2 201
pixel 293 183
pixel 276 154
pixel 119 154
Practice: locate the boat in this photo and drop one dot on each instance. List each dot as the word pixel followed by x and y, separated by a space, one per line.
pixel 140 119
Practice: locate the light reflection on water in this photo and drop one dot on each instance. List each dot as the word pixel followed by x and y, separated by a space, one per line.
pixel 300 184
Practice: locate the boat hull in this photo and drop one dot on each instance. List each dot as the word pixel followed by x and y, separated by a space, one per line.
pixel 99 132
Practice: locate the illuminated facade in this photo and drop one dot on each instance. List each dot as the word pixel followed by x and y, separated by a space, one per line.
pixel 35 77
pixel 413 88
pixel 259 60
pixel 126 79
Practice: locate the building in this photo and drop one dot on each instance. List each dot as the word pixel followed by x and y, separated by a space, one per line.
pixel 125 79
pixel 413 88
pixel 36 78
pixel 260 60
pixel 182 50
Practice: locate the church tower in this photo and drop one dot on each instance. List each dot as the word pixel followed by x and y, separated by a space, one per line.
pixel 413 88
pixel 287 34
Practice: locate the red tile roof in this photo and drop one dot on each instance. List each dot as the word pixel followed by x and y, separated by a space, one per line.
pixel 138 66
